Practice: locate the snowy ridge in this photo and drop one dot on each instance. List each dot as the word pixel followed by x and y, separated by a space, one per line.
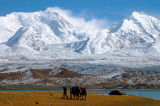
pixel 47 34
pixel 137 32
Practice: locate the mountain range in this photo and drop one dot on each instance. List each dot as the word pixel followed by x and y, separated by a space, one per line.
pixel 47 34
pixel 49 49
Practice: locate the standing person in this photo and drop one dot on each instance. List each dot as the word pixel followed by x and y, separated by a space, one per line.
pixel 64 92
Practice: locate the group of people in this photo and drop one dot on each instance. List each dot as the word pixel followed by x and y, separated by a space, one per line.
pixel 76 92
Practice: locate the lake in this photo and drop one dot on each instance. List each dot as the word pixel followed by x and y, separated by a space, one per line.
pixel 154 94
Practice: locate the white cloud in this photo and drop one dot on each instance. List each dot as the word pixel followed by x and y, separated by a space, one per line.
pixel 92 26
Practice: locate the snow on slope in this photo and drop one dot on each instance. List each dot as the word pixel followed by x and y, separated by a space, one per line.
pixel 49 34
pixel 38 31
pixel 136 34
pixel 49 25
pixel 138 28
pixel 8 26
pixel 155 48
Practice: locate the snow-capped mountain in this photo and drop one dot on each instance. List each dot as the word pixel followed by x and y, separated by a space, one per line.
pixel 37 31
pixel 48 33
pixel 48 24
pixel 125 54
pixel 138 32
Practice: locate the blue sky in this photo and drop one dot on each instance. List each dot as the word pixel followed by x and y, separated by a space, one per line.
pixel 112 10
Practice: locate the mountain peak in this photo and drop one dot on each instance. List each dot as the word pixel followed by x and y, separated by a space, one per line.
pixel 141 16
pixel 50 9
pixel 135 13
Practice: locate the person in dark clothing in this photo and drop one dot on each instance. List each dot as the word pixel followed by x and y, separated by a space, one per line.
pixel 64 92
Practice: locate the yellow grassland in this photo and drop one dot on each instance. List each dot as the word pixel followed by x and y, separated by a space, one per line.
pixel 55 99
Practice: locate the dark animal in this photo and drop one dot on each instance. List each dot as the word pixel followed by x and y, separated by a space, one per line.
pixel 75 91
pixel 83 92
pixel 78 92
pixel 71 92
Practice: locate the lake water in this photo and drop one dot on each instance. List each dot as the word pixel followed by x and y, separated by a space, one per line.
pixel 154 94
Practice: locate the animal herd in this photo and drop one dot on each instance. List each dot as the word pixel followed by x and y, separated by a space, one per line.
pixel 78 92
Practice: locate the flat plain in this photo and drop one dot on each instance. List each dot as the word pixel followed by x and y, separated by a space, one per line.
pixel 55 99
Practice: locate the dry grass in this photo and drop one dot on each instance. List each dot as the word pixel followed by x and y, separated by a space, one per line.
pixel 93 99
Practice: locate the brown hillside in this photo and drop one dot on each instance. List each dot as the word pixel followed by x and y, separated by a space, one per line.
pixel 65 73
